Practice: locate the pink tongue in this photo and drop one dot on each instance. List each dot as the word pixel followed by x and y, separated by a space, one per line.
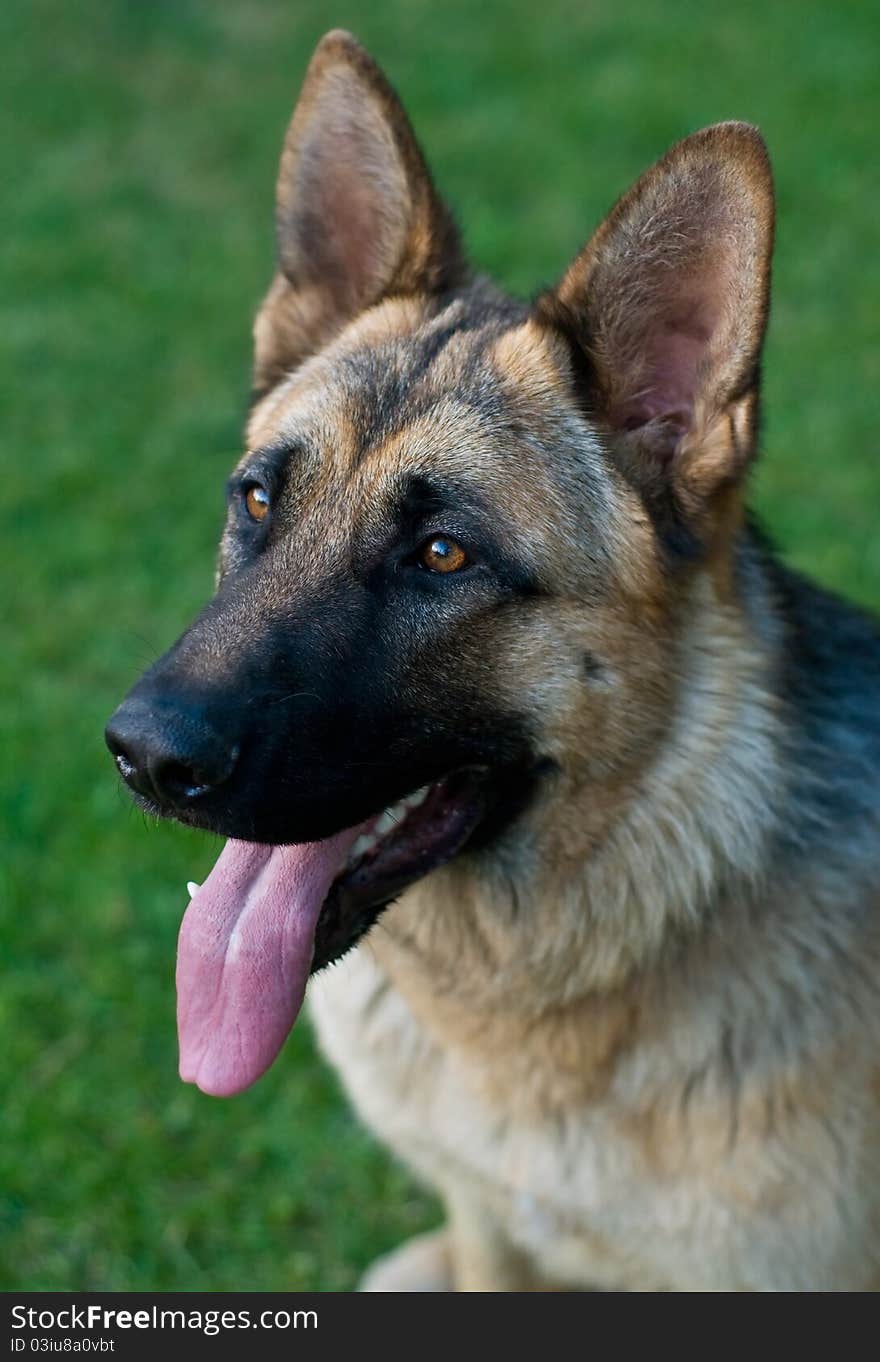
pixel 244 954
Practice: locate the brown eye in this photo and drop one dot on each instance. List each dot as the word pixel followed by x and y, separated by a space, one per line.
pixel 442 554
pixel 257 502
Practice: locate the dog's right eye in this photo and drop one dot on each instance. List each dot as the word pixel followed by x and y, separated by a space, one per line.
pixel 442 554
pixel 256 500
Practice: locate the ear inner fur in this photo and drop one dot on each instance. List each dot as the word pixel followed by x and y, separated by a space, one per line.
pixel 667 306
pixel 358 217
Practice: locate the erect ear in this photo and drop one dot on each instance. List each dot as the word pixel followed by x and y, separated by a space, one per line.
pixel 358 218
pixel 667 307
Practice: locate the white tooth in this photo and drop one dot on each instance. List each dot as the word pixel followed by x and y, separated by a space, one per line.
pixel 364 843
pixel 192 888
pixel 418 797
pixel 390 818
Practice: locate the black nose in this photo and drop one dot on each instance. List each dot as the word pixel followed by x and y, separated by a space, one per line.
pixel 170 755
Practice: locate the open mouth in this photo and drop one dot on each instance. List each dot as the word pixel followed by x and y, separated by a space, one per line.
pixel 403 844
pixel 268 916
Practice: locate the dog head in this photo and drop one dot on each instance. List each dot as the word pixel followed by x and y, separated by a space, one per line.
pixel 455 546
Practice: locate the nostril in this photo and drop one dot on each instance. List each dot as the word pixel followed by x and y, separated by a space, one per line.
pixel 180 781
pixel 126 767
pixel 116 747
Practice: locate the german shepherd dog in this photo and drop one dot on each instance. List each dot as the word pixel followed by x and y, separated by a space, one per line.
pixel 504 704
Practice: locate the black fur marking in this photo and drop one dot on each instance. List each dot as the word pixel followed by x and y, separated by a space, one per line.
pixel 593 669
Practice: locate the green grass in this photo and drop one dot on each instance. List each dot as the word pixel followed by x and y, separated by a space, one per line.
pixel 138 151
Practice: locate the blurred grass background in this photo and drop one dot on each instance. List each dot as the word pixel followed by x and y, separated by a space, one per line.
pixel 139 144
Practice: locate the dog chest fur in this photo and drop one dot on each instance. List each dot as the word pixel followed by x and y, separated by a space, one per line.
pixel 610 1192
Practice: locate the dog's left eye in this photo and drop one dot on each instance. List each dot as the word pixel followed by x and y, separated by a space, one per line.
pixel 442 554
pixel 256 500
